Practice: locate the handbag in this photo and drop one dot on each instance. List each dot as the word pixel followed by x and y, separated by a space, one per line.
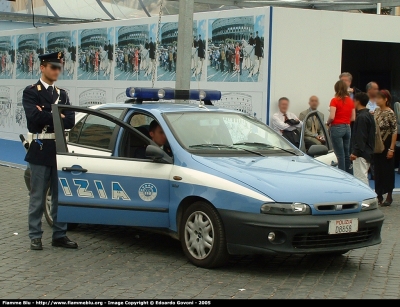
pixel 379 141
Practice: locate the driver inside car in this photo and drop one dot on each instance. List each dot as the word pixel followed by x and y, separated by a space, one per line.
pixel 158 136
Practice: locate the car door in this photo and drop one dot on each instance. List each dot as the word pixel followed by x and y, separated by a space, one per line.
pixel 330 157
pixel 98 187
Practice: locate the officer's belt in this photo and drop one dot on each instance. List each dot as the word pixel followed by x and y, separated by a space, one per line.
pixel 40 136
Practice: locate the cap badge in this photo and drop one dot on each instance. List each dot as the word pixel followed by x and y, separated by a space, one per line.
pixel 59 56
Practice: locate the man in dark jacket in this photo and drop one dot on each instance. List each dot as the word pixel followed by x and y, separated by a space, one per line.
pixel 37 100
pixel 362 138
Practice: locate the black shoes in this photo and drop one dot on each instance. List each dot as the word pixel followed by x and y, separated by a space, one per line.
pixel 36 244
pixel 64 242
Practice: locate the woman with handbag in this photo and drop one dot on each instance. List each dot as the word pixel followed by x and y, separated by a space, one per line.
pixel 386 124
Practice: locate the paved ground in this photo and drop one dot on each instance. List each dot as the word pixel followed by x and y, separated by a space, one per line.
pixel 120 262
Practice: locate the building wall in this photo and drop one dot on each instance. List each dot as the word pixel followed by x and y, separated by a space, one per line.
pixel 307 50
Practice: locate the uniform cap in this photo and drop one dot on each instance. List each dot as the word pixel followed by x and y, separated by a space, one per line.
pixel 54 58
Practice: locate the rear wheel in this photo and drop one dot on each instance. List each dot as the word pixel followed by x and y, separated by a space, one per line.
pixel 47 212
pixel 202 236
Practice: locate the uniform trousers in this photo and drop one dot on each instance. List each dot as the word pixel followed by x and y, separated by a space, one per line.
pixel 41 177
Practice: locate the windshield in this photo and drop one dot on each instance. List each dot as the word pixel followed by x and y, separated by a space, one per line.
pixel 230 132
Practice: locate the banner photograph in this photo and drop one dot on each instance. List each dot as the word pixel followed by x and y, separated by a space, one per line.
pixel 100 60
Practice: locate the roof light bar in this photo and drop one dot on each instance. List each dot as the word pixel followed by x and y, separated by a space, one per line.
pixel 143 93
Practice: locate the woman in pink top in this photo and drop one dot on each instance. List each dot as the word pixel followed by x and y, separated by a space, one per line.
pixel 342 113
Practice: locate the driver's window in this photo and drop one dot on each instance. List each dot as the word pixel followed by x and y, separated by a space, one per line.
pixel 141 122
pixel 314 133
pixel 150 128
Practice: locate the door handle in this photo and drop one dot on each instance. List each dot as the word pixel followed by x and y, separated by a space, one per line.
pixel 74 169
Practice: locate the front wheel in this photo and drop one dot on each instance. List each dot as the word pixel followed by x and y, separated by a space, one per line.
pixel 202 236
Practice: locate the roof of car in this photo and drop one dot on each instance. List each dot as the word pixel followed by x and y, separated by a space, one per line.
pixel 166 107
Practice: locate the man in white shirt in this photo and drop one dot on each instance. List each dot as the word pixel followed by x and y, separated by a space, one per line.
pixel 372 88
pixel 286 123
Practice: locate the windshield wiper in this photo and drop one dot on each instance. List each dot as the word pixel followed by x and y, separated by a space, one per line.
pixel 266 145
pixel 226 146
pixel 212 145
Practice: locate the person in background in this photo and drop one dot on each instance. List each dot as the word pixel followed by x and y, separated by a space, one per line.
pixel 348 79
pixel 384 162
pixel 341 114
pixel 222 59
pixel 362 138
pixel 396 109
pixel 286 123
pixel 313 133
pixel 372 88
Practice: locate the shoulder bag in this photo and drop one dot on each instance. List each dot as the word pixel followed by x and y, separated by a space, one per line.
pixel 379 141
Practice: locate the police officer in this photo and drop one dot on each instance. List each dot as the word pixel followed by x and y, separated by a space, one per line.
pixel 41 156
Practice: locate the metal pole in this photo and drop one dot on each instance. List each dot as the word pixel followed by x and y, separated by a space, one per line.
pixel 378 8
pixel 185 40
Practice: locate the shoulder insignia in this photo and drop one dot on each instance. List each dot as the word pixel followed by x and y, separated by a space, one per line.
pixel 39 87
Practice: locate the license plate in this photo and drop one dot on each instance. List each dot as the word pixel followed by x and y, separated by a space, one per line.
pixel 342 226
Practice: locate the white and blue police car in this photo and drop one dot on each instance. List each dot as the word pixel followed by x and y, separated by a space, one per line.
pixel 223 184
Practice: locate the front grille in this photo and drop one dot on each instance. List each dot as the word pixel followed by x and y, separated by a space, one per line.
pixel 323 240
pixel 335 206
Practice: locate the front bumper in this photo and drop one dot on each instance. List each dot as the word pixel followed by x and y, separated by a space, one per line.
pixel 247 233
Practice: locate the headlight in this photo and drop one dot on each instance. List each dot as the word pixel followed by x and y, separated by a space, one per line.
pixel 286 208
pixel 369 204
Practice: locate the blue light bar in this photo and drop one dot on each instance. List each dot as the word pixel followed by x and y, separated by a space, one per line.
pixel 143 93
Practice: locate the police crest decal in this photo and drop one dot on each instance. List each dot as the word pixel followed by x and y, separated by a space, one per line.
pixel 147 191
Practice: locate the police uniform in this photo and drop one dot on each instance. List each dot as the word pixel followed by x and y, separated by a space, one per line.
pixel 41 154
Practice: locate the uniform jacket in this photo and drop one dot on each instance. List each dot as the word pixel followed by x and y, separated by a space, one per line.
pixel 308 125
pixel 37 95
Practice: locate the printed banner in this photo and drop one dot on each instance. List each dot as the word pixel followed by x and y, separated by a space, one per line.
pixel 229 53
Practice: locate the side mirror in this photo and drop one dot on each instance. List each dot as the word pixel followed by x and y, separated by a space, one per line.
pixel 317 150
pixel 154 152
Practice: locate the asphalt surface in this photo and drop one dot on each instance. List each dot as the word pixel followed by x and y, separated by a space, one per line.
pixel 125 263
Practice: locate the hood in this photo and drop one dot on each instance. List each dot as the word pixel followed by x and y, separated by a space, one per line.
pixel 291 178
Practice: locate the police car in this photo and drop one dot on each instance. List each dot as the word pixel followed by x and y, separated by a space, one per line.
pixel 223 184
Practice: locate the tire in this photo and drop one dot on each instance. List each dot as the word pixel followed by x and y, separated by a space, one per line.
pixel 47 212
pixel 202 236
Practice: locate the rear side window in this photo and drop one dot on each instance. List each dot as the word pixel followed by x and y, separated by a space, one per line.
pixel 94 131
pixel 75 131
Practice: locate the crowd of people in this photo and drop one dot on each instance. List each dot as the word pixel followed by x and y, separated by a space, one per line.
pixel 129 58
pixel 7 59
pixel 229 56
pixel 167 58
pixel 362 126
pixel 97 59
